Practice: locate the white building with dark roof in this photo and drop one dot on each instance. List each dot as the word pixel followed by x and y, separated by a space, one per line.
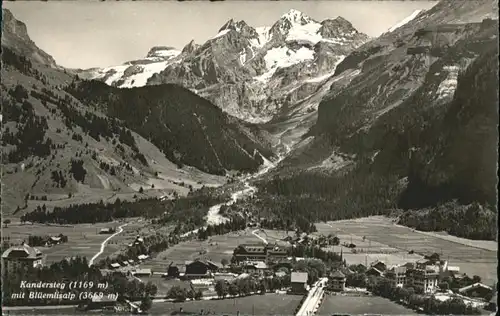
pixel 115 265
pixel 17 257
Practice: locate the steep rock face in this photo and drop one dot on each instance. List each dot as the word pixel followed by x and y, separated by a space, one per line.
pixel 248 72
pixel 190 47
pixel 406 114
pixel 15 36
pixel 392 68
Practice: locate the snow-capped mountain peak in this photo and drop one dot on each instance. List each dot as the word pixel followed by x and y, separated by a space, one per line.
pixel 251 73
pixel 296 17
pixel 291 20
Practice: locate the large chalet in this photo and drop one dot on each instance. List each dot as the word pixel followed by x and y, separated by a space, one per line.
pixel 259 252
pixel 23 256
pixel 199 269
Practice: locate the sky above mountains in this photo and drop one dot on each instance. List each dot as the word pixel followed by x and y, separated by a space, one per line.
pixel 85 34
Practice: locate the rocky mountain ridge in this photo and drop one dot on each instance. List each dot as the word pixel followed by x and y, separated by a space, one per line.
pixel 256 74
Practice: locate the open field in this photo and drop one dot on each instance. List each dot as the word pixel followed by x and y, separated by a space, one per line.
pixel 164 285
pixel 359 305
pixel 215 248
pixel 269 304
pixel 83 239
pixel 384 236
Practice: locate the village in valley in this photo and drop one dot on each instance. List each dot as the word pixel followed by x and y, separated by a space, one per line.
pixel 258 271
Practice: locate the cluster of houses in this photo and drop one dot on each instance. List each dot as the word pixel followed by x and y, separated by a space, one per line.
pixel 427 273
pixel 131 262
pixel 205 272
pixel 257 260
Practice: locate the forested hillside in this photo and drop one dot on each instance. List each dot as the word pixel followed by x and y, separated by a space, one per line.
pixel 187 128
pixel 61 151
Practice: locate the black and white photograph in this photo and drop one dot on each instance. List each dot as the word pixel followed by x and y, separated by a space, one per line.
pixel 249 158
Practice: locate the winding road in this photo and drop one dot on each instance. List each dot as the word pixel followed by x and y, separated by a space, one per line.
pixel 103 244
pixel 213 217
pixel 258 236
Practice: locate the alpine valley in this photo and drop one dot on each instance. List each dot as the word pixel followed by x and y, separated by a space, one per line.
pixel 293 123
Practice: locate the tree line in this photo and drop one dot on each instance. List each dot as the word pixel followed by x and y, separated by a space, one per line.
pixel 41 241
pixel 94 212
pixel 472 221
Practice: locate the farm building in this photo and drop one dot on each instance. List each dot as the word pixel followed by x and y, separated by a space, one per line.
pixel 298 282
pixel 200 269
pixel 107 230
pixel 173 271
pixel 114 265
pixel 374 271
pixel 54 240
pixel 379 265
pixel 142 257
pixel 337 281
pixel 255 267
pixel 476 290
pixel 21 256
pixel 142 272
